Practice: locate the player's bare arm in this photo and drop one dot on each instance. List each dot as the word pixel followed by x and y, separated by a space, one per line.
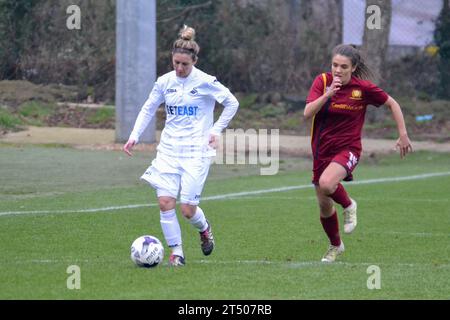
pixel 403 143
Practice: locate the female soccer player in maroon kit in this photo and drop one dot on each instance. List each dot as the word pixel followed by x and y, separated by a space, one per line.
pixel 337 104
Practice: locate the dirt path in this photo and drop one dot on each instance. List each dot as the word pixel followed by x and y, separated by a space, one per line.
pixel 105 140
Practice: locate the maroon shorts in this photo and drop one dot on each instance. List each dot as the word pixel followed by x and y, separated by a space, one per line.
pixel 347 159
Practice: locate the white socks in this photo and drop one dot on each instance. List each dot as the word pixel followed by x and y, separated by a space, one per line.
pixel 199 220
pixel 171 230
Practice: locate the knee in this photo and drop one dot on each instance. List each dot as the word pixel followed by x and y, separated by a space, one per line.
pixel 166 204
pixel 188 210
pixel 327 186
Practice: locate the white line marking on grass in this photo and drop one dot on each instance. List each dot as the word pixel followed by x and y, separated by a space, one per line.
pixel 44 261
pixel 302 264
pixel 373 199
pixel 271 198
pixel 55 261
pixel 415 234
pixel 405 178
pixel 288 264
pixel 132 206
pixel 305 186
pixel 231 195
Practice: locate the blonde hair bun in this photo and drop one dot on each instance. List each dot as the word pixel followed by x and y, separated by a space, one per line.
pixel 187 33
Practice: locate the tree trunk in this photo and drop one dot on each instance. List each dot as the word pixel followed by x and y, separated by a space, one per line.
pixel 321 21
pixel 315 28
pixel 376 35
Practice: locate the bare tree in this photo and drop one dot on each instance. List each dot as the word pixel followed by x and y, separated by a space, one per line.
pixel 319 31
pixel 376 35
pixel 322 18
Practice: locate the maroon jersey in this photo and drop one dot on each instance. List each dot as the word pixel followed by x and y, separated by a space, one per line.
pixel 338 124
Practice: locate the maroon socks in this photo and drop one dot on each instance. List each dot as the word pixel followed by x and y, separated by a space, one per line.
pixel 331 227
pixel 340 196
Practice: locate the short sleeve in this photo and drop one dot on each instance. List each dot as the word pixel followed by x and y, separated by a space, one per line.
pixel 316 90
pixel 374 95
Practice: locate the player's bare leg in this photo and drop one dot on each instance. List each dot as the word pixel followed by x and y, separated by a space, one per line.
pixel 330 185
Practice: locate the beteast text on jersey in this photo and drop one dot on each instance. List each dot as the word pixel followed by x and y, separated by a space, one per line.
pixel 182 110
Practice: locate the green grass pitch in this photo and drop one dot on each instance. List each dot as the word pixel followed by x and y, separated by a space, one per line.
pixel 268 245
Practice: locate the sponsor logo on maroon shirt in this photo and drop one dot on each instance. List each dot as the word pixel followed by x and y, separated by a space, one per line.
pixel 356 94
pixel 338 125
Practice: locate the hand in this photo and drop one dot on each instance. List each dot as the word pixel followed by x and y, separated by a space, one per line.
pixel 404 145
pixel 128 146
pixel 335 87
pixel 213 141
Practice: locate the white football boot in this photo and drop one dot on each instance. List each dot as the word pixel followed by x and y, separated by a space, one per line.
pixel 350 219
pixel 333 252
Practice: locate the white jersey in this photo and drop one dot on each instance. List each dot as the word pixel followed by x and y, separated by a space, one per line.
pixel 189 106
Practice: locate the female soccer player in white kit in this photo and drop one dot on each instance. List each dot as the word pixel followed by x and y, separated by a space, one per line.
pixel 188 141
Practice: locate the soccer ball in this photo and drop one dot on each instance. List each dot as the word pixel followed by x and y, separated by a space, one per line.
pixel 147 251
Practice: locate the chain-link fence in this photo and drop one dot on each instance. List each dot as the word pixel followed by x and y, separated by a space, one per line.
pixel 411 29
pixel 253 46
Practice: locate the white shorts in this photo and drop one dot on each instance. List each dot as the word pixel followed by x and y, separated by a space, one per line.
pixel 171 176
